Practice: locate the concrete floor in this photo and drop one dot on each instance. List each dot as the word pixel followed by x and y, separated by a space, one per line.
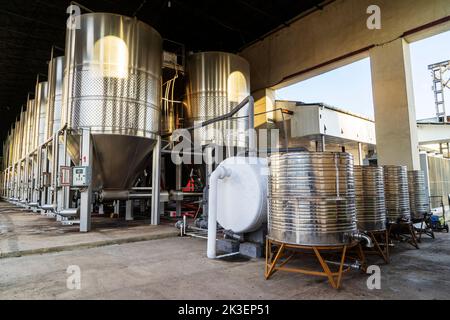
pixel 176 268
pixel 23 233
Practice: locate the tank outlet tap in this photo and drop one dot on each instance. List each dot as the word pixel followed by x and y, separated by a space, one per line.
pixel 365 238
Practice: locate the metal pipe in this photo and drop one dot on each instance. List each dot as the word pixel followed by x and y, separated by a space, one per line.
pixel 192 194
pixel 193 235
pixel 220 173
pixel 122 195
pixel 357 265
pixel 106 195
pixel 228 255
pixel 38 175
pixel 222 117
pixel 251 128
pixel 365 238
pixel 139 196
pixel 81 6
pixel 183 152
pixel 65 189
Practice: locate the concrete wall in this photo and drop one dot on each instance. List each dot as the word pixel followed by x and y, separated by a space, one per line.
pixel 337 35
pixel 334 32
pixel 395 113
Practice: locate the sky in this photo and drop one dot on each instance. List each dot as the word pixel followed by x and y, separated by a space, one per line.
pixel 350 87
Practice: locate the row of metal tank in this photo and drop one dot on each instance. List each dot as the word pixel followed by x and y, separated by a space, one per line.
pixel 324 199
pixel 40 118
pixel 110 82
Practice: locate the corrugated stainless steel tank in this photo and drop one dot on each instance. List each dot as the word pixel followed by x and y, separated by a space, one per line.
pixel 396 193
pixel 418 198
pixel 21 136
pixel 26 129
pixel 217 82
pixel 41 100
pixel 113 87
pixel 31 106
pixel 55 91
pixel 13 141
pixel 312 198
pixel 370 199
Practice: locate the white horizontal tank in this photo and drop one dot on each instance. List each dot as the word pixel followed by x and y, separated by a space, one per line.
pixel 242 196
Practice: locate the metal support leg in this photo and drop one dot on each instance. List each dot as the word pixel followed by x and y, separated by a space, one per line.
pixel 178 178
pixel 360 154
pixel 55 161
pixel 117 208
pixel 27 180
pixel 129 210
pixel 156 175
pixel 66 162
pixel 381 250
pixel 320 144
pixel 44 170
pixel 35 178
pixel 38 176
pixel 142 204
pixel 85 202
pixel 19 181
pixel 413 240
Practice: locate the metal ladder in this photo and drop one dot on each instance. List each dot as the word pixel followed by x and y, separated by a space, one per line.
pixel 438 71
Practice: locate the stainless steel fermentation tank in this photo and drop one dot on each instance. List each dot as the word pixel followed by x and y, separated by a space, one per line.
pixel 218 82
pixel 312 198
pixel 41 100
pixel 370 199
pixel 55 92
pixel 31 141
pixel 418 198
pixel 396 193
pixel 112 85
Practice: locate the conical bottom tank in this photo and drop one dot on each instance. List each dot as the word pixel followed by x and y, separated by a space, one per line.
pixel 116 160
pixel 113 88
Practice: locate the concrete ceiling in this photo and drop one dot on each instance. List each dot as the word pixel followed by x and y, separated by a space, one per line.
pixel 28 30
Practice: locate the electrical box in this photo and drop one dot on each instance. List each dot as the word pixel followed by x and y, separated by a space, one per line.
pixel 81 176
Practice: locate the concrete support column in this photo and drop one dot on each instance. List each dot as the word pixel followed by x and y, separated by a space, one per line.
pixel 395 116
pixel 264 101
